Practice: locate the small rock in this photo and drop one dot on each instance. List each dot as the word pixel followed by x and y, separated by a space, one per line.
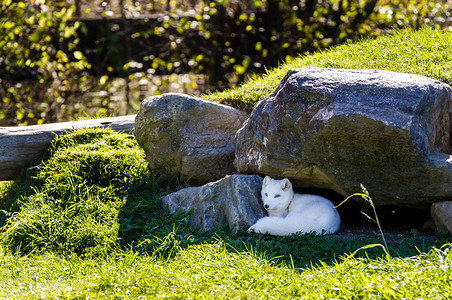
pixel 441 213
pixel 234 199
pixel 430 226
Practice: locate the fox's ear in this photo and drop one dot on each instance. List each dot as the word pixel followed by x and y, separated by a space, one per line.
pixel 266 181
pixel 285 184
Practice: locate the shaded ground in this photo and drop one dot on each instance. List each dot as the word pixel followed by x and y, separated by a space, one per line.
pixel 397 223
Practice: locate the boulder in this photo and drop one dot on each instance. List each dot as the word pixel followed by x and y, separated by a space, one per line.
pixel 337 129
pixel 441 213
pixel 188 136
pixel 234 199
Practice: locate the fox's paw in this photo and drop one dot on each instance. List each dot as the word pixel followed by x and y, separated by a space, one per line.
pixel 252 229
pixel 257 228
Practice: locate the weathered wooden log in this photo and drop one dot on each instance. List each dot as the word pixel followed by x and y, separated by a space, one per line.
pixel 20 145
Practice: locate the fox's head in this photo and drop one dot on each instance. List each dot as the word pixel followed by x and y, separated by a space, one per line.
pixel 276 195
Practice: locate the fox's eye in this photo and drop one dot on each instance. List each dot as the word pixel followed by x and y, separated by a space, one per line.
pixel 277 195
pixel 266 195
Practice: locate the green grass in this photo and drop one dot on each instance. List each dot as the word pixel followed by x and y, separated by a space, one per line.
pixel 213 272
pixel 425 52
pixel 87 222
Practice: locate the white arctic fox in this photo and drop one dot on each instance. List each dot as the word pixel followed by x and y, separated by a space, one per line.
pixel 290 213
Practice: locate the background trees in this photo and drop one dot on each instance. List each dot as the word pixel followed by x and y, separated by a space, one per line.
pixel 64 59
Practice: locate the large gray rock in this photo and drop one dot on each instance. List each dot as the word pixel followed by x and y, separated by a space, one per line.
pixel 336 129
pixel 234 199
pixel 188 136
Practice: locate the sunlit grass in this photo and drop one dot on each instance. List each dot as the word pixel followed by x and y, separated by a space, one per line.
pixel 210 271
pixel 425 52
pixel 5 186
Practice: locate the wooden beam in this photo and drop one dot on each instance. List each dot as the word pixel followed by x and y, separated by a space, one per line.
pixel 20 145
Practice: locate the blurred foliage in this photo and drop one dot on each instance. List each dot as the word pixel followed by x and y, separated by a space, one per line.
pixel 230 40
pixel 63 59
pixel 41 72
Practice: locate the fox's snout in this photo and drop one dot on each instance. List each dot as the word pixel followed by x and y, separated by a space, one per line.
pixel 266 206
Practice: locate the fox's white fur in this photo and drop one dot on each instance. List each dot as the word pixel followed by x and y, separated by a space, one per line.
pixel 289 212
